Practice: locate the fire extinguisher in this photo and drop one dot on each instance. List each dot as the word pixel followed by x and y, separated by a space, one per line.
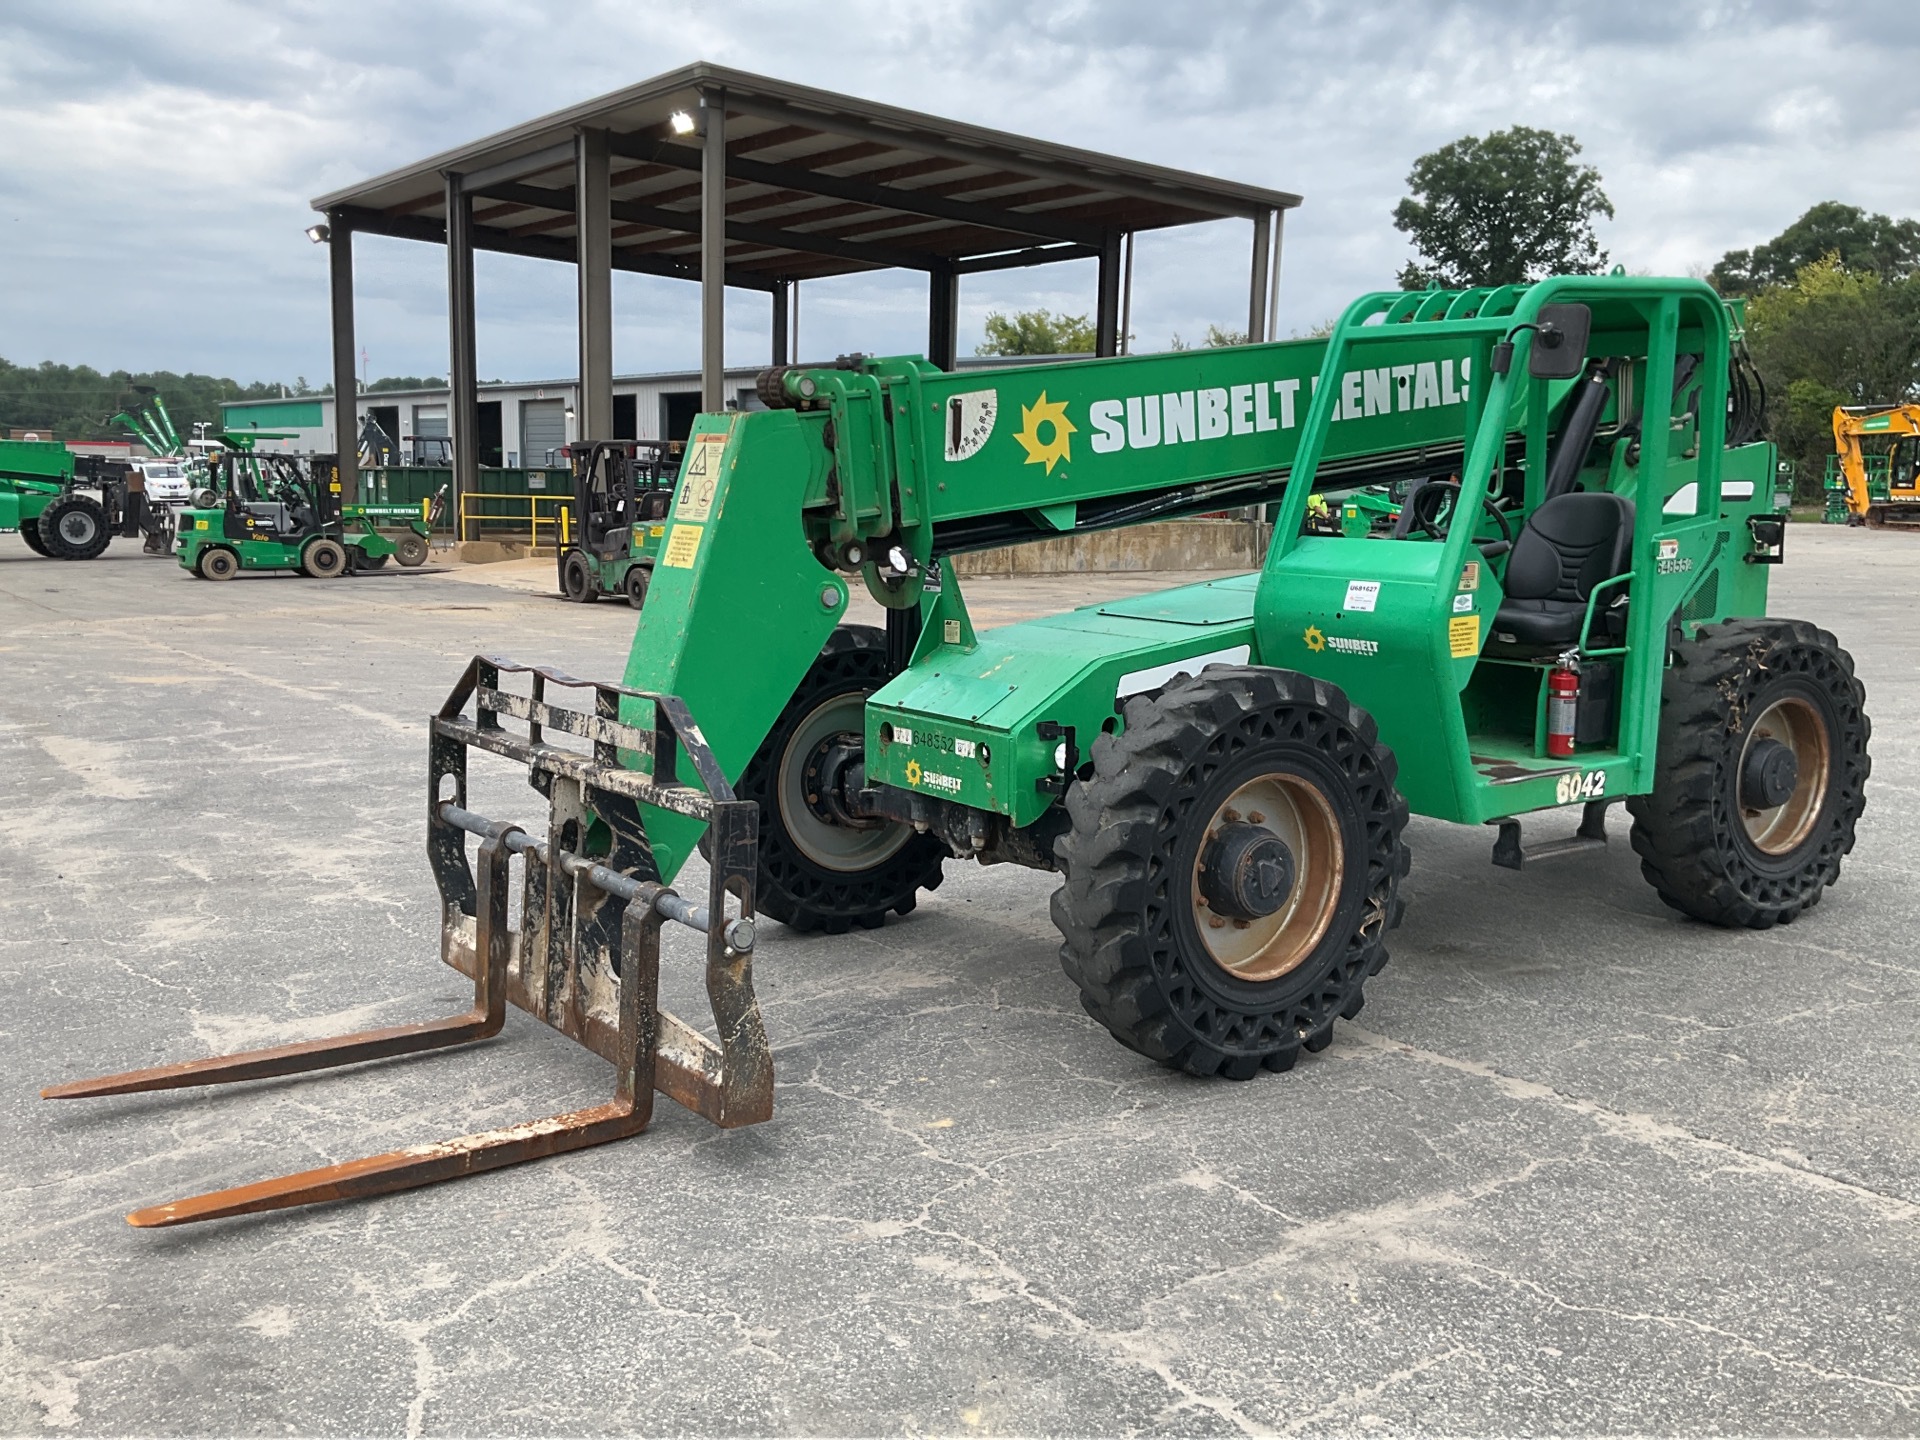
pixel 1563 704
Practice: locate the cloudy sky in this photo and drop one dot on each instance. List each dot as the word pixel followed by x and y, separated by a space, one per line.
pixel 156 162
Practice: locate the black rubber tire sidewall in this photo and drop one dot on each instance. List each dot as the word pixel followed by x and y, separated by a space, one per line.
pixel 576 580
pixel 1283 991
pixel 30 533
pixel 1125 910
pixel 790 887
pixel 61 548
pixel 635 586
pixel 326 547
pixel 1688 833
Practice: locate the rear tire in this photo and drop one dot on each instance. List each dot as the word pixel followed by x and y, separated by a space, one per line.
pixel 577 580
pixel 323 558
pixel 812 875
pixel 217 563
pixel 74 527
pixel 410 550
pixel 30 532
pixel 1240 789
pixel 1706 842
pixel 638 578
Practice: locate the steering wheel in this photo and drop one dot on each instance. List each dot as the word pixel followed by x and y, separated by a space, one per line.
pixel 1424 506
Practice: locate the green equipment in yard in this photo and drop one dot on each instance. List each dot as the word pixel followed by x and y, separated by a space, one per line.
pixel 64 510
pixel 1370 510
pixel 1571 612
pixel 611 525
pixel 276 512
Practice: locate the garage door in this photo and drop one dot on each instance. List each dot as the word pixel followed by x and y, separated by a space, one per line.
pixel 543 431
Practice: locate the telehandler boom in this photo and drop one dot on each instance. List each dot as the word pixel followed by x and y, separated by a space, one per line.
pixel 1570 611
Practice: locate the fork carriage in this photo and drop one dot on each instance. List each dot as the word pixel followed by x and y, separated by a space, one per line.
pixel 585 959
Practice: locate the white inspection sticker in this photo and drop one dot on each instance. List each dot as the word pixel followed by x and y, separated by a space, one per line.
pixel 1362 594
pixel 1462 602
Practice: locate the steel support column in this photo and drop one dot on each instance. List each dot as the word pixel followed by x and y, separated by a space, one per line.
pixel 346 389
pixel 782 305
pixel 1273 283
pixel 1107 322
pixel 1126 300
pixel 463 399
pixel 594 222
pixel 713 252
pixel 943 316
pixel 1257 300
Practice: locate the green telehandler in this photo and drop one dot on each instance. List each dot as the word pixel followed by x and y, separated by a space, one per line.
pixel 67 507
pixel 1573 615
pixel 274 512
pixel 611 525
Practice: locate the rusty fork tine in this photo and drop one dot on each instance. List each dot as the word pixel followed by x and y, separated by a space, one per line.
pixel 628 1113
pixel 407 1169
pixel 483 1021
pixel 281 1059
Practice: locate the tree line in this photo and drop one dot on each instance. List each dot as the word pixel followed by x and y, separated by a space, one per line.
pixel 78 402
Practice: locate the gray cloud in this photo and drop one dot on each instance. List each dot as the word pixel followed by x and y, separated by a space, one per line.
pixel 157 161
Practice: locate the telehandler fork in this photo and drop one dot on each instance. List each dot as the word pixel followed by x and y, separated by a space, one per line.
pixel 1569 611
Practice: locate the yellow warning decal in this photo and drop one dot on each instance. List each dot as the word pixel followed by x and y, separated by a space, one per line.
pixel 702 477
pixel 682 546
pixel 1463 636
pixel 657 531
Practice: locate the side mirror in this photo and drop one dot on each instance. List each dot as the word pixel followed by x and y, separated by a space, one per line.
pixel 1559 349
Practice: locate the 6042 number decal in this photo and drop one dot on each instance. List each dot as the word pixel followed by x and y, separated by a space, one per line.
pixel 1590 786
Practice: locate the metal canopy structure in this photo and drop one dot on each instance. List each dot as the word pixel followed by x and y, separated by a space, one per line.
pixel 708 172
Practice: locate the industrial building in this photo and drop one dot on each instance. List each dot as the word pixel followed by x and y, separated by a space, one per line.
pixel 521 424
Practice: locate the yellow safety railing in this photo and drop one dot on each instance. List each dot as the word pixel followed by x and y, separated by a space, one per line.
pixel 525 516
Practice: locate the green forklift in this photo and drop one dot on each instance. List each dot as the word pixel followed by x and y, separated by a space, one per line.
pixel 281 512
pixel 612 523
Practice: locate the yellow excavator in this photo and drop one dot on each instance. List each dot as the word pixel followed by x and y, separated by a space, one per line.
pixel 1876 496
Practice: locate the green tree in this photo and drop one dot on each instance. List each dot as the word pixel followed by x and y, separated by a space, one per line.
pixel 77 402
pixel 405 382
pixel 1036 332
pixel 1505 210
pixel 1218 339
pixel 1862 243
pixel 1834 336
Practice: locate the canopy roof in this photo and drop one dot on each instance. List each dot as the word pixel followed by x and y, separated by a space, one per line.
pixel 817 184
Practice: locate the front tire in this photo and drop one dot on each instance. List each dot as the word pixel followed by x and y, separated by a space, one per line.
pixel 815 874
pixel 577 580
pixel 1232 869
pixel 74 527
pixel 217 563
pixel 635 585
pixel 1761 775
pixel 323 558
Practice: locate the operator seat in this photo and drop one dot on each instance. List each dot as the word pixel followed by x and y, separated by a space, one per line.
pixel 1568 545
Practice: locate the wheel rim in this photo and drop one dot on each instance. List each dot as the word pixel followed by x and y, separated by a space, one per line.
pixel 1795 723
pixel 77 528
pixel 830 846
pixel 1292 809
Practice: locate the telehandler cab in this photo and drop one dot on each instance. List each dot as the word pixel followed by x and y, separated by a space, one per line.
pixel 1572 614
